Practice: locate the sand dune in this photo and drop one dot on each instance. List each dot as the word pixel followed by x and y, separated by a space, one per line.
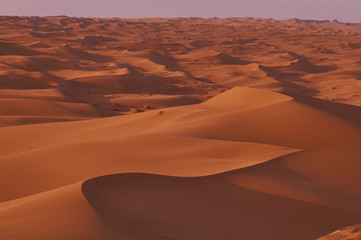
pixel 352 232
pixel 66 153
pixel 165 56
pixel 9 48
pixel 75 146
pixel 183 128
pixel 60 213
pixel 205 208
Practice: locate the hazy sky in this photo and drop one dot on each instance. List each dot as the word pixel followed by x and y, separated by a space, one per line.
pixel 342 10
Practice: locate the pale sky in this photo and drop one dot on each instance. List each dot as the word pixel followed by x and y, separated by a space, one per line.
pixel 342 10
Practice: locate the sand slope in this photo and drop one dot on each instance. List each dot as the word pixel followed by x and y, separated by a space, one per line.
pixel 179 129
pixel 65 153
pixel 206 208
pixel 115 66
pixel 233 161
pixel 352 232
pixel 58 214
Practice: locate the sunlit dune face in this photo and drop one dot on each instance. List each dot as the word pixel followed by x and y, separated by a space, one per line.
pixel 179 129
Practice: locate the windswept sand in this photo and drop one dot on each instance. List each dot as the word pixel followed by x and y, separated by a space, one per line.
pixel 352 232
pixel 179 129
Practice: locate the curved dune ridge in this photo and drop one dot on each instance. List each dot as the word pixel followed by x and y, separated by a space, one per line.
pixel 179 129
pixel 109 64
pixel 205 171
pixel 352 232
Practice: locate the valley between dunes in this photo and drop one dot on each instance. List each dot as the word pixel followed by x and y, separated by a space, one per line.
pixel 179 129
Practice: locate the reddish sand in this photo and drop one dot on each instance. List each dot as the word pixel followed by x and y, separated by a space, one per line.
pixel 348 233
pixel 179 129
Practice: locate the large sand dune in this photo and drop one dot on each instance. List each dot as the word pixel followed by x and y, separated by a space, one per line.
pixel 181 129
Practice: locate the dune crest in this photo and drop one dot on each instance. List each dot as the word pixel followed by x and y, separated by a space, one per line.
pixel 352 232
pixel 243 98
pixel 74 146
pixel 179 129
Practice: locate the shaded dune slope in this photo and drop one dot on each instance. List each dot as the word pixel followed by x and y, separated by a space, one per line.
pixel 121 66
pixel 209 208
pixel 245 160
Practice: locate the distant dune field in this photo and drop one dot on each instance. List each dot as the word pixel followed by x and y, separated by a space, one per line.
pixel 179 129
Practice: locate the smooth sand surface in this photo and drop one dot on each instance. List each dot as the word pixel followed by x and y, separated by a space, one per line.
pixel 179 129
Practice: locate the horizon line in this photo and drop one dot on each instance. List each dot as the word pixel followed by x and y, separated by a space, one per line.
pixel 182 17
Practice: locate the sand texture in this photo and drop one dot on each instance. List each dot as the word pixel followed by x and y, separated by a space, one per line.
pixel 179 129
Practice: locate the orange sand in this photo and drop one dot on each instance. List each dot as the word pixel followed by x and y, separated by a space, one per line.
pixel 179 129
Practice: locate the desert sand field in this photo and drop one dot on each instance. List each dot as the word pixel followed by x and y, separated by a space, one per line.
pixel 179 129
